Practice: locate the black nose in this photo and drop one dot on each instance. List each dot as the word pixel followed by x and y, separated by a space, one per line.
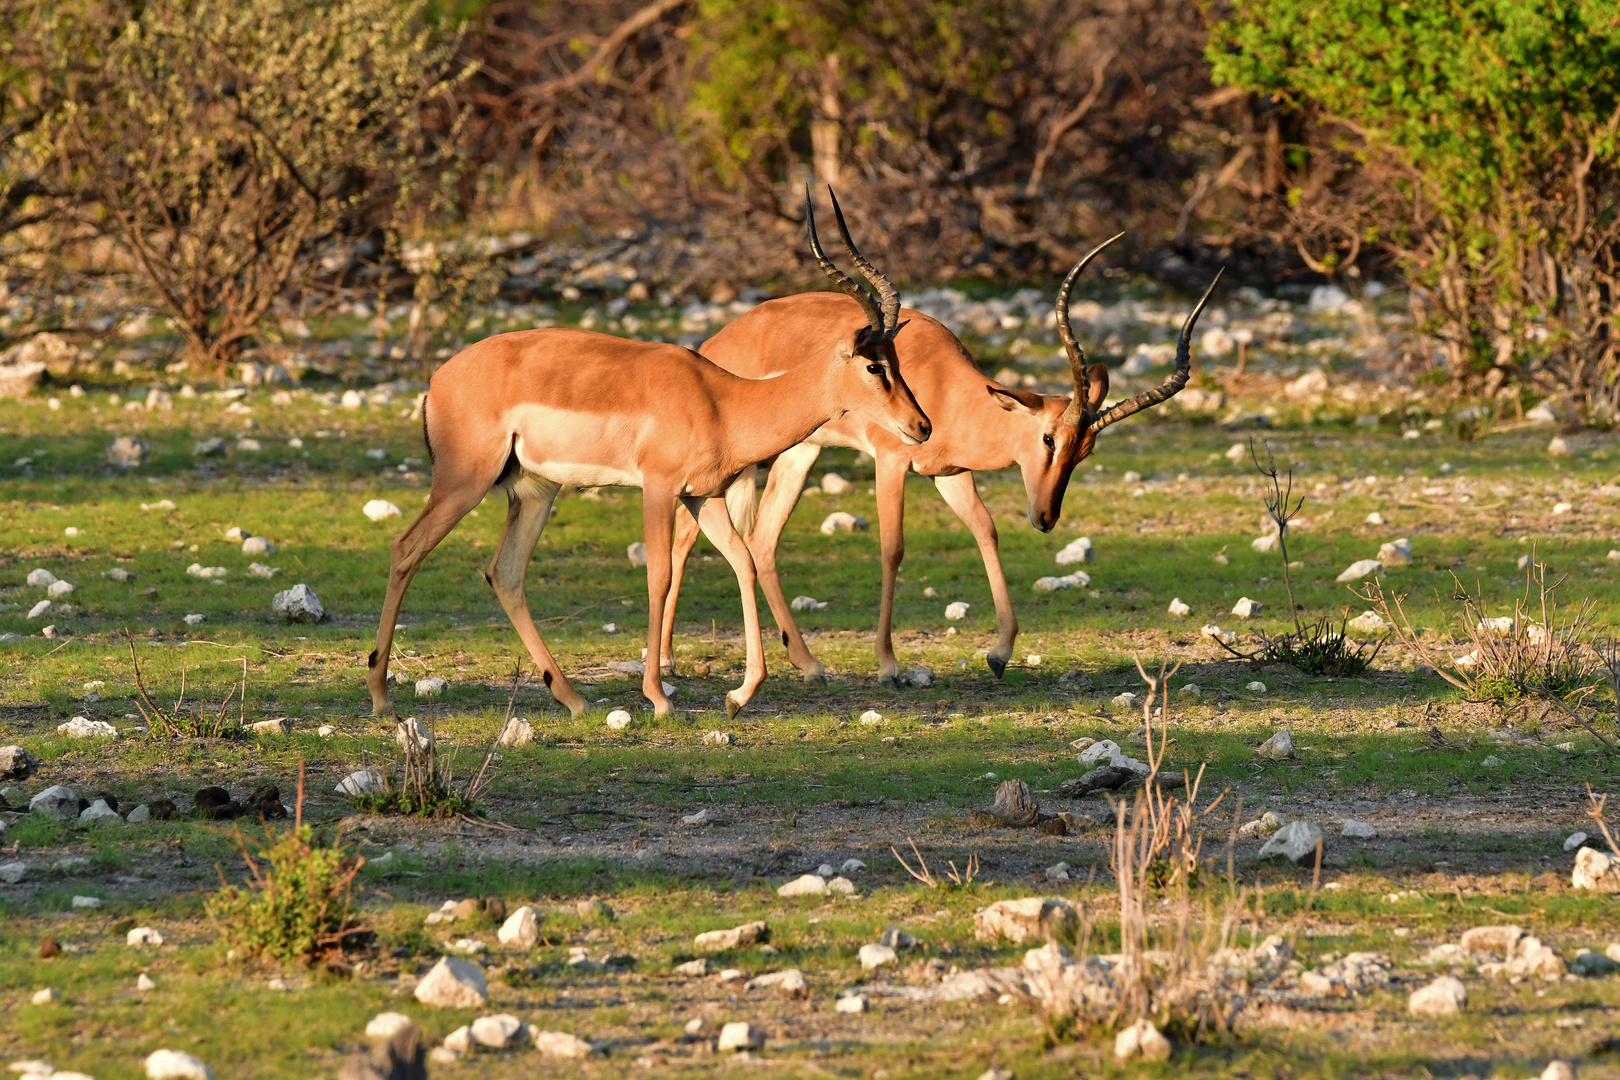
pixel 926 428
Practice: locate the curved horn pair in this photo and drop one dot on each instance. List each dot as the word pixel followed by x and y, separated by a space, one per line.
pixel 1075 413
pixel 882 312
pixel 1171 386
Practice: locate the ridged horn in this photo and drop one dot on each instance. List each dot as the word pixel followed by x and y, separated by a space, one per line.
pixel 889 298
pixel 1171 386
pixel 1075 413
pixel 874 314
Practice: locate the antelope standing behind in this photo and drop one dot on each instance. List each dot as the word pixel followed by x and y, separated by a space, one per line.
pixel 528 412
pixel 978 424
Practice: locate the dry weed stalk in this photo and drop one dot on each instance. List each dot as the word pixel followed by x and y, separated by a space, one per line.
pixel 1596 814
pixel 960 878
pixel 426 786
pixel 179 723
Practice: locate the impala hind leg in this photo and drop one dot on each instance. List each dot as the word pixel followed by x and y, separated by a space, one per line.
pixel 686 534
pixel 448 504
pixel 891 501
pixel 716 523
pixel 783 487
pixel 657 512
pixel 962 497
pixel 526 516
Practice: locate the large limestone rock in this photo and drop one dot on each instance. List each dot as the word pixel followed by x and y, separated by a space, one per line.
pixel 17 763
pixel 521 929
pixel 560 1044
pixel 56 801
pixel 1141 1042
pixel 1032 918
pixel 1446 996
pixel 1596 871
pixel 453 984
pixel 735 938
pixel 298 604
pixel 1295 842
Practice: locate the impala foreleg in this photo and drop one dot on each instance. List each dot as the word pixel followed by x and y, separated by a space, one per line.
pixel 891 501
pixel 782 490
pixel 657 510
pixel 526 517
pixel 686 534
pixel 962 496
pixel 447 505
pixel 716 523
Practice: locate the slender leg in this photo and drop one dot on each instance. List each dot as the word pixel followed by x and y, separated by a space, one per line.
pixel 686 534
pixel 716 522
pixel 450 500
pixel 657 510
pixel 961 495
pixel 891 501
pixel 525 519
pixel 782 490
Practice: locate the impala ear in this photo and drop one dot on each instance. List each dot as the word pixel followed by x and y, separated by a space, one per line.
pixel 1097 378
pixel 1013 400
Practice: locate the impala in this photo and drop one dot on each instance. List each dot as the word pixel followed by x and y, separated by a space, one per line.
pixel 529 412
pixel 978 424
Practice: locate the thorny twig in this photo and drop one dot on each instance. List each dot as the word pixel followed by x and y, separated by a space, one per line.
pixel 1596 814
pixel 1277 500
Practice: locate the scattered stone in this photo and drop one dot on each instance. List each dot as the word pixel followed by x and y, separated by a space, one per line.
pixel 1363 568
pixel 380 509
pixel 175 1065
pixel 1141 1042
pixel 1491 761
pixel 434 687
pixel 517 732
pixel 637 554
pixel 809 603
pixel 833 484
pixel 740 1036
pixel 1592 964
pixel 1190 690
pixel 82 727
pixel 1446 996
pixel 875 956
pixel 1077 580
pixel 693 969
pixel 118 574
pixel 1266 542
pixel 1179 609
pixel 597 909
pixel 1127 700
pixel 207 447
pixel 360 782
pixel 1264 825
pixel 298 604
pixel 1358 830
pixel 1015 805
pixel 207 573
pixel 127 452
pixel 1596 871
pixel 919 678
pixel 735 938
pixel 1500 940
pixel 257 545
pixel 143 981
pixel 1032 918
pixel 1246 608
pixel 806 885
pixel 45 996
pixel 719 738
pixel 617 720
pixel 560 1044
pixel 13 872
pixel 1368 622
pixel 453 984
pixel 99 813
pixel 790 983
pixel 1555 1070
pixel 281 725
pixel 956 610
pixel 1280 745
pixel 1215 633
pixel 40 578
pixel 499 1031
pixel 521 929
pixel 1076 551
pixel 871 717
pixel 841 521
pixel 40 610
pixel 1296 842
pixel 259 569
pixel 195 620
pixel 1058 872
pixel 17 763
pixel 1572 842
pixel 853 1004
pixel 852 866
pixel 387 1025
pixel 59 589
pixel 1396 553
pixel 141 936
pixel 1255 686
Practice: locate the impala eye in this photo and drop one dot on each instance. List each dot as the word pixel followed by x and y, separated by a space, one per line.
pixel 1047 439
pixel 874 369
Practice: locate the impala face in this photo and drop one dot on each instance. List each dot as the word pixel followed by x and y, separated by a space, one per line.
pixel 1055 446
pixel 891 403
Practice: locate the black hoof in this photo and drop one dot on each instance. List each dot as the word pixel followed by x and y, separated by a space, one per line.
pixel 997 665
pixel 892 682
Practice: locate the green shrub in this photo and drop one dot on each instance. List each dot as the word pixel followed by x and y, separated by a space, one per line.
pixel 296 905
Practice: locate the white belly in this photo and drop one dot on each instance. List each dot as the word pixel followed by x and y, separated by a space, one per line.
pixel 585 476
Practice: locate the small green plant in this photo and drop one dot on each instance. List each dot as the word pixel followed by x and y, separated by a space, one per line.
pixel 193 722
pixel 297 904
pixel 424 786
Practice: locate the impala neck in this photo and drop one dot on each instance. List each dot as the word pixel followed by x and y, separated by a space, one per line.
pixel 767 416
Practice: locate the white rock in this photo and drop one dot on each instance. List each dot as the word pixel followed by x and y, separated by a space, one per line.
pixel 1076 551
pixel 1255 687
pixel 1266 542
pixel 13 872
pixel 1077 580
pixel 1491 762
pixel 434 687
pixel 1368 622
pixel 1216 342
pixel 99 813
pixel 298 604
pixel 411 732
pixel 1190 690
pixel 40 578
pixel 719 738
pixel 617 720
pixel 56 801
pixel 637 554
pixel 1358 830
pixel 1328 300
pixel 453 984
pixel 871 717
pixel 195 620
pixel 918 677
pixel 456 1045
pixel 1504 624
pixel 40 610
pixel 259 569
pixel 378 509
pixel 1555 1070
pixel 207 573
pixel 1246 608
pixel 386 1025
pixel 560 1044
pixel 499 1031
pixel 143 981
pixel 1280 745
pixel 1179 609
pixel 1596 871
pixel 257 545
pixel 45 996
pixel 360 782
pixel 175 1065
pixel 521 929
pixel 1127 700
pixel 1030 918
pixel 139 814
pixel 809 603
pixel 517 732
pixel 852 866
pixel 806 885
pixel 58 589
pixel 956 610
pixel 1542 414
pixel 740 1036
pixel 1444 997
pixel 875 956
pixel 1058 872
pixel 735 937
pixel 143 935
pixel 855 1003
pixel 118 574
pixel 1141 1042
pixel 82 727
pixel 833 484
pixel 627 667
pixel 1215 633
pixel 1574 841
pixel 1295 842
pixel 1236 453
pixel 791 983
pixel 842 521
pixel 282 725
pixel 1360 569
pixel 1395 552
pixel 842 886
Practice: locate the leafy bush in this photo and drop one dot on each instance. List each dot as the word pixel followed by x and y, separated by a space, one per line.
pixel 1479 142
pixel 221 142
pixel 297 903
